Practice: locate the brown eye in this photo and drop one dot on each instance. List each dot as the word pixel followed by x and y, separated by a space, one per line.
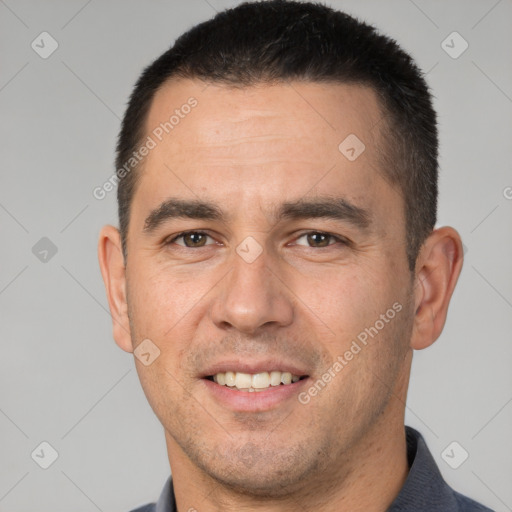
pixel 317 239
pixel 191 239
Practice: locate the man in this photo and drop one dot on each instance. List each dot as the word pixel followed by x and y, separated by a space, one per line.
pixel 277 263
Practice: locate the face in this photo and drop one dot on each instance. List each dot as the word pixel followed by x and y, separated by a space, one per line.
pixel 256 246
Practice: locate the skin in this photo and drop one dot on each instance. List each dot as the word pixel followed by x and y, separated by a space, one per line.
pixel 302 301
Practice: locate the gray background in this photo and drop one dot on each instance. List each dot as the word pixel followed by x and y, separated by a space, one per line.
pixel 62 378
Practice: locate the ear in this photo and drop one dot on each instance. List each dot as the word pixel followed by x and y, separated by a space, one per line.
pixel 438 268
pixel 113 270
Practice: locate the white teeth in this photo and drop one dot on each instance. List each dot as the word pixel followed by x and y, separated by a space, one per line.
pixel 275 378
pixel 243 380
pixel 254 382
pixel 230 378
pixel 261 380
pixel 286 378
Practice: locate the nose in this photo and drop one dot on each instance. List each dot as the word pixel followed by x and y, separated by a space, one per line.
pixel 252 297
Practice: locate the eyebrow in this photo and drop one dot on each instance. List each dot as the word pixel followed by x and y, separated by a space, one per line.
pixel 178 208
pixel 336 208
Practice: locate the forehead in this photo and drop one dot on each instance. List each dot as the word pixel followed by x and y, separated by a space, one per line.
pixel 270 142
pixel 223 115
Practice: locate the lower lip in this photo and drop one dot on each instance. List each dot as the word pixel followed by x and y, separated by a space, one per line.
pixel 253 401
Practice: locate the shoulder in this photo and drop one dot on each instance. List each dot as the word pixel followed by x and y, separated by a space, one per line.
pixel 150 507
pixel 425 489
pixel 468 505
pixel 165 503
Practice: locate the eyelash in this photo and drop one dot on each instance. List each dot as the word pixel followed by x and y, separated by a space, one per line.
pixel 306 233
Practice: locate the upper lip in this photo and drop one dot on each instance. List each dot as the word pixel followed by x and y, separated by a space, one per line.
pixel 268 365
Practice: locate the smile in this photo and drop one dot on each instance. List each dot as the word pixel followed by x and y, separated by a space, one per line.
pixel 251 382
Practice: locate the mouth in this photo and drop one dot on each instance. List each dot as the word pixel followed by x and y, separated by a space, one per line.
pixel 255 382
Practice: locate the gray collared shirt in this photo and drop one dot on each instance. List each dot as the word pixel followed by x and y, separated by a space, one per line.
pixel 424 489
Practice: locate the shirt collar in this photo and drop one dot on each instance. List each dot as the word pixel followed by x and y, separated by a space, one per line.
pixel 166 502
pixel 424 489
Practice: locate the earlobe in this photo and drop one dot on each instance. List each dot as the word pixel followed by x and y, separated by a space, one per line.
pixel 113 271
pixel 437 270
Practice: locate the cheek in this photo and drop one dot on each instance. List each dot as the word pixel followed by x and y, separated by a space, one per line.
pixel 163 308
pixel 345 299
pixel 163 301
pixel 169 400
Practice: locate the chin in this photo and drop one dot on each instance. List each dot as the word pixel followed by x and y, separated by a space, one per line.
pixel 259 473
pixel 273 484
